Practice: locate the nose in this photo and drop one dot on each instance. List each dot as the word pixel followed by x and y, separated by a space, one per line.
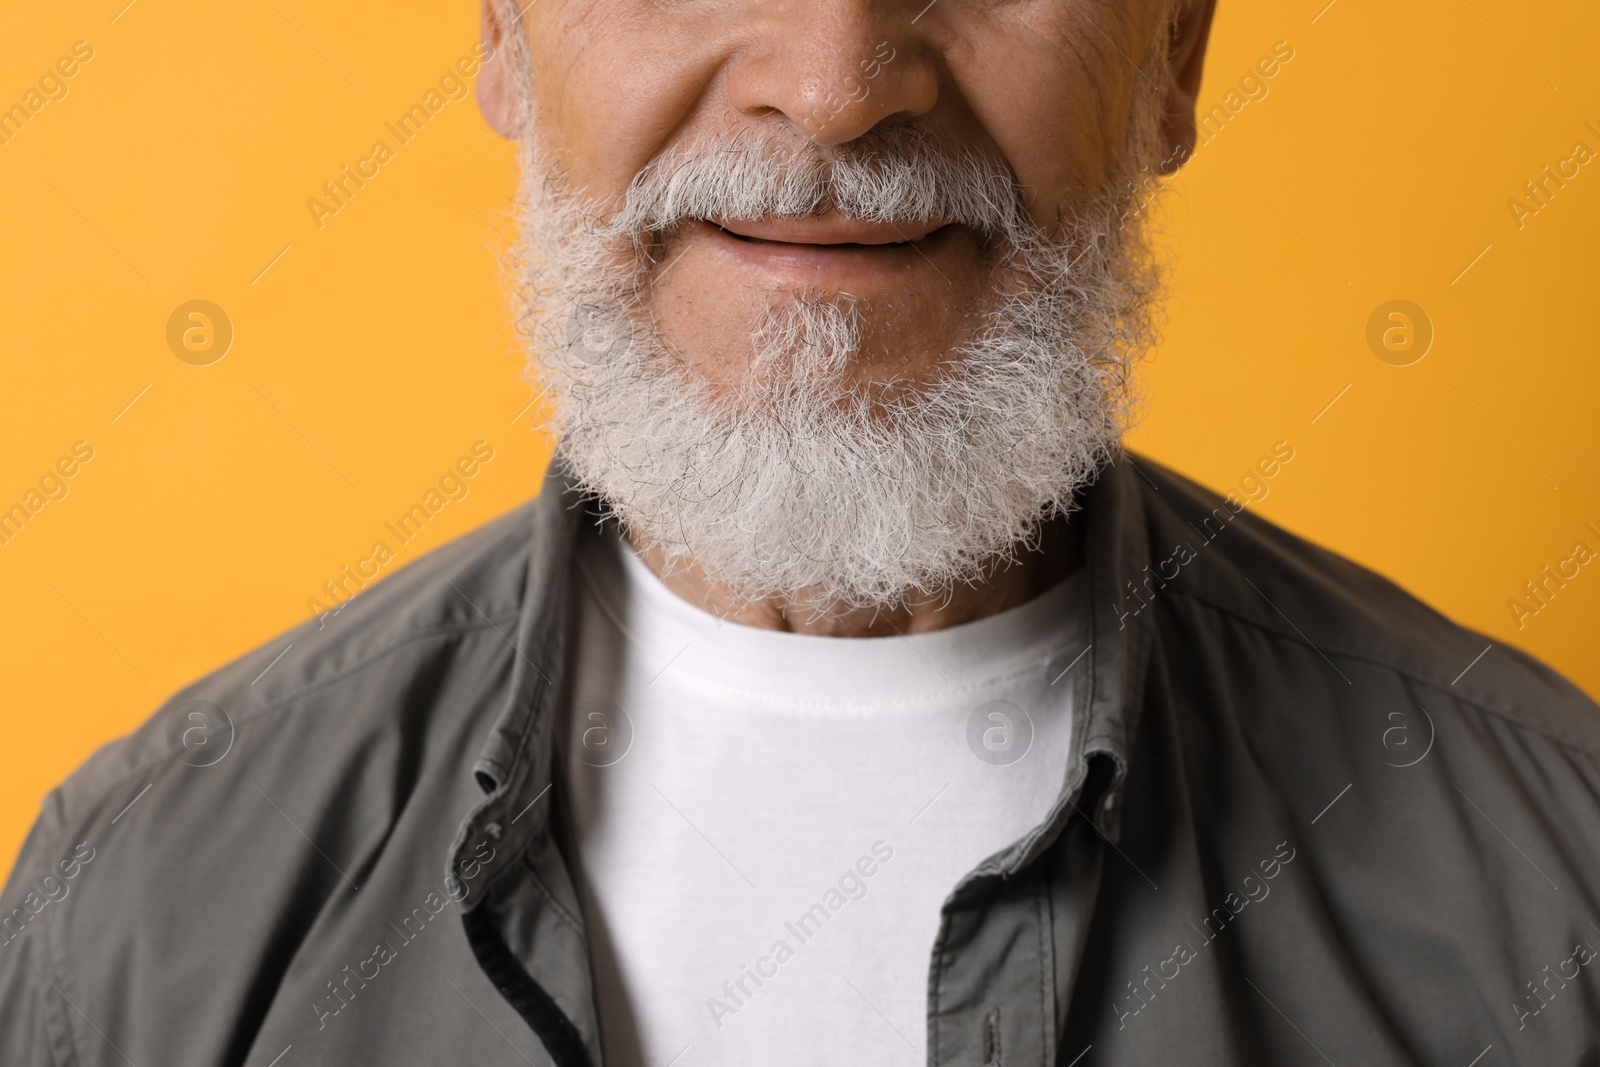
pixel 834 68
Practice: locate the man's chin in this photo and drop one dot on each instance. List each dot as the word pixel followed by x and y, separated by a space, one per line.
pixel 819 495
pixel 849 355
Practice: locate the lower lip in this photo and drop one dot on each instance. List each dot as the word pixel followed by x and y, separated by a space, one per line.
pixel 831 267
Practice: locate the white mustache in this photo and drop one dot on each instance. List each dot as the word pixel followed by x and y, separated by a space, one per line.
pixel 898 174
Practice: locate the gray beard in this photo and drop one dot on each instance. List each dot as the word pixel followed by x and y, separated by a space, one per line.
pixel 806 487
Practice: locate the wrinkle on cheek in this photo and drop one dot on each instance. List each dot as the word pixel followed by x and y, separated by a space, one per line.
pixel 1100 81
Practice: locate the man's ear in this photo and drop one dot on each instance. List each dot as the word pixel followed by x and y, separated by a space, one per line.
pixel 1187 59
pixel 496 90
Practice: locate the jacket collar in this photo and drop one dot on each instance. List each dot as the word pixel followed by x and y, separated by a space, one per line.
pixel 1118 553
pixel 1107 683
pixel 515 766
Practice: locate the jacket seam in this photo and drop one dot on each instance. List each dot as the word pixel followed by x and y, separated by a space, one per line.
pixel 46 963
pixel 542 887
pixel 935 985
pixel 281 702
pixel 531 875
pixel 1042 924
pixel 1394 668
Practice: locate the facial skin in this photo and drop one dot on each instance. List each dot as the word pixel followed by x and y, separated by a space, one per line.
pixel 1044 86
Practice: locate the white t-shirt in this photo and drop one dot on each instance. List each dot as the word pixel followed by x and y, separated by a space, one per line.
pixel 766 823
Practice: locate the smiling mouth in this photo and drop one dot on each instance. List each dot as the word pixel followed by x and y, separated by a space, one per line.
pixel 829 231
pixel 840 245
pixel 843 245
pixel 834 252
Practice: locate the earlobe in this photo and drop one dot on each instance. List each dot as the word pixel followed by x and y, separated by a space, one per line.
pixel 495 92
pixel 1187 62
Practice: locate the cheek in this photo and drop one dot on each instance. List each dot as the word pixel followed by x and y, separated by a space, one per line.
pixel 1052 106
pixel 610 94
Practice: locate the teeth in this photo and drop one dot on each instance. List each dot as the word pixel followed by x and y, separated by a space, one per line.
pixel 840 244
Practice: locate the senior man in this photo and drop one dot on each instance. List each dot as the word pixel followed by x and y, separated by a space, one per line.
pixel 847 696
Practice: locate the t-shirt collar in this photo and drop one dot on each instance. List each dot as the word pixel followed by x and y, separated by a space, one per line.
pixel 515 766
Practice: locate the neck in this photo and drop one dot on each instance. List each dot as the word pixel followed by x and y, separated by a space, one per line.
pixel 1004 584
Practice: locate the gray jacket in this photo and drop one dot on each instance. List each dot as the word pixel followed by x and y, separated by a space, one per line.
pixel 1306 820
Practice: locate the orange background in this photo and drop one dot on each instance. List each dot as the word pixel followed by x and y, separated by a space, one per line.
pixel 370 353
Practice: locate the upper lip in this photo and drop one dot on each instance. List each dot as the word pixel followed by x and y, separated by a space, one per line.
pixel 829 229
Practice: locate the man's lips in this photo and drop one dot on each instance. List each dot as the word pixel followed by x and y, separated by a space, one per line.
pixel 834 253
pixel 829 229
